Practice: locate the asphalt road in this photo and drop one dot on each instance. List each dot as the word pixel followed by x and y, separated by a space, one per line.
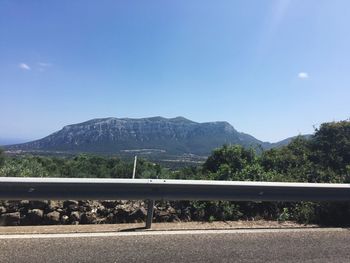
pixel 303 245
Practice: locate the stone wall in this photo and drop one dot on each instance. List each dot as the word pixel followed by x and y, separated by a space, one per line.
pixel 26 212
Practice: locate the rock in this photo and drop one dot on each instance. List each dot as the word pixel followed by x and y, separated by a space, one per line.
pixel 53 218
pixel 10 219
pixel 22 210
pixel 75 216
pixel 121 216
pixel 139 214
pixel 73 208
pixel 87 209
pixel 67 203
pixel 23 207
pixel 64 219
pixel 171 210
pixel 174 218
pixel 71 205
pixel 88 218
pixel 162 216
pixel 126 208
pixel 24 203
pixel 38 212
pixel 82 209
pixel 102 211
pixel 35 216
pixel 110 219
pixel 12 206
pixel 101 220
pixel 109 203
pixel 53 206
pixel 40 204
pixel 84 202
pixel 2 210
pixel 185 214
pixel 161 207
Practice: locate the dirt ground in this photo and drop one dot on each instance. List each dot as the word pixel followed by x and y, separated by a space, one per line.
pixel 55 229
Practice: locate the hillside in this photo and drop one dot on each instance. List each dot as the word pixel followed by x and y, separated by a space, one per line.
pixel 156 135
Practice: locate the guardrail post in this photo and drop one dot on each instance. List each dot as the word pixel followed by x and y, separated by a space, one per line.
pixel 150 210
pixel 134 171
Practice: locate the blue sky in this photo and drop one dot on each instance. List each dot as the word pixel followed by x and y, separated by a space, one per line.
pixel 272 69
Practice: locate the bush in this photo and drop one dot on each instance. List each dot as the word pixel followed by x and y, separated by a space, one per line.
pixel 284 216
pixel 2 157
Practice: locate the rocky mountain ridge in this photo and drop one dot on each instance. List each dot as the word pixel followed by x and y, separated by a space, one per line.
pixel 173 136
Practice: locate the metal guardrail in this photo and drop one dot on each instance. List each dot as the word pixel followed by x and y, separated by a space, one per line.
pixel 19 188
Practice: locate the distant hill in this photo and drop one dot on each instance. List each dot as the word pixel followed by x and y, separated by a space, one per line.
pixel 156 135
pixel 286 141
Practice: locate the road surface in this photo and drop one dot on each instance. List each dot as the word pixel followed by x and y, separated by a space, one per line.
pixel 261 245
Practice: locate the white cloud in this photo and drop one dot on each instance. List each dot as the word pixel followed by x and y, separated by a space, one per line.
pixel 44 64
pixel 303 75
pixel 24 66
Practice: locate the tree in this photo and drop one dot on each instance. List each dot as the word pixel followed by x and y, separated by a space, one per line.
pixel 2 157
pixel 291 161
pixel 331 146
pixel 228 161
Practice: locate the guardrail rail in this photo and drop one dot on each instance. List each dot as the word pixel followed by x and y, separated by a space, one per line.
pixel 24 188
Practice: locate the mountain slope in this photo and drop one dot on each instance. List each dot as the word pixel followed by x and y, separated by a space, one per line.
pixel 113 135
pixel 287 141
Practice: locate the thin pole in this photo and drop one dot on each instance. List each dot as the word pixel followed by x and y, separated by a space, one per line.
pixel 134 171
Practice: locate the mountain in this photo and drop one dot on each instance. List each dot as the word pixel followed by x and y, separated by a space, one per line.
pixel 174 136
pixel 287 141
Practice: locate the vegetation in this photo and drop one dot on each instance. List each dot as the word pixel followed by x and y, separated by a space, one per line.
pixel 79 166
pixel 323 158
pixel 2 157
